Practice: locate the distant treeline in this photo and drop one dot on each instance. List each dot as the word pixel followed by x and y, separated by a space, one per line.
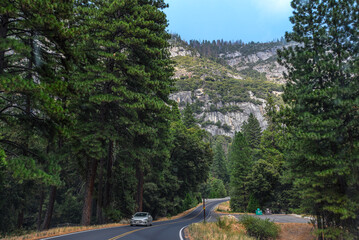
pixel 214 49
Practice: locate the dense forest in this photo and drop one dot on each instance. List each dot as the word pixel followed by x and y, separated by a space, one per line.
pixel 88 134
pixel 307 159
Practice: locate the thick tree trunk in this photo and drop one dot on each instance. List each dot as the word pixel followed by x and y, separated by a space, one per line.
pixel 107 197
pixel 50 209
pixel 99 215
pixel 90 182
pixel 3 33
pixel 139 195
pixel 39 216
pixel 20 219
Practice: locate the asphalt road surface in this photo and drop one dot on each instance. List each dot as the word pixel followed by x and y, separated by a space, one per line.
pixel 165 230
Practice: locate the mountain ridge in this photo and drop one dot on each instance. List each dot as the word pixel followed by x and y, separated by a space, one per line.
pixel 223 85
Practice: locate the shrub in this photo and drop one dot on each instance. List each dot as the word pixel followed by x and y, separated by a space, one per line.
pixel 226 127
pixel 259 228
pixel 224 223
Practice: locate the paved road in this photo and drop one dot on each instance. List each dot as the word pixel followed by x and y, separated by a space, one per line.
pixel 165 230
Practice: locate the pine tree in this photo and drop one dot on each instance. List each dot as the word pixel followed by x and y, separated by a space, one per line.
pixel 219 168
pixel 36 57
pixel 322 113
pixel 252 131
pixel 188 119
pixel 125 82
pixel 240 163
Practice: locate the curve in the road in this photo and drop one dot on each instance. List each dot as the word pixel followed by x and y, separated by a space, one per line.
pixel 166 230
pixel 170 229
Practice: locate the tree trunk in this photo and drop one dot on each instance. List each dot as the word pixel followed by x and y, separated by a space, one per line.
pixel 3 33
pixel 139 195
pixel 107 196
pixel 39 216
pixel 50 209
pixel 99 216
pixel 20 219
pixel 90 182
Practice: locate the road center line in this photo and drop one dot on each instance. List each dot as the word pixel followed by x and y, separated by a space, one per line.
pixel 127 233
pixel 209 217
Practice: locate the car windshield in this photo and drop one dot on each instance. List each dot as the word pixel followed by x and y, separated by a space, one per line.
pixel 140 214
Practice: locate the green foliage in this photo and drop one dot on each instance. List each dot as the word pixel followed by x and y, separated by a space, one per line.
pixel 223 223
pixel 84 106
pixel 254 74
pixel 189 202
pixel 213 49
pixel 253 204
pixel 252 131
pixel 217 189
pixel 190 158
pixel 226 127
pixel 240 164
pixel 321 116
pixel 219 167
pixel 260 229
pixel 262 181
pixel 188 118
pixel 217 79
pixel 2 158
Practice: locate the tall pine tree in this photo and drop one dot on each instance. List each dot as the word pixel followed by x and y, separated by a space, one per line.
pixel 322 114
pixel 240 161
pixel 252 131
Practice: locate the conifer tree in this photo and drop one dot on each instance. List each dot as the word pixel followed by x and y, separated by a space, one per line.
pixel 322 113
pixel 252 131
pixel 240 162
pixel 125 80
pixel 35 60
pixel 188 118
pixel 219 168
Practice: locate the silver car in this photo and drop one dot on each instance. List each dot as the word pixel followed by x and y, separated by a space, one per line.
pixel 141 218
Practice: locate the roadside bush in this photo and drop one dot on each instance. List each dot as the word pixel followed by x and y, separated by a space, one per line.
pixel 260 229
pixel 224 223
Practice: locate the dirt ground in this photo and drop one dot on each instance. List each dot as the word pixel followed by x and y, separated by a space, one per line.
pixel 296 231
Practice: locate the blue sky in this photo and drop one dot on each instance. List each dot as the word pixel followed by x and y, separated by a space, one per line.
pixel 246 20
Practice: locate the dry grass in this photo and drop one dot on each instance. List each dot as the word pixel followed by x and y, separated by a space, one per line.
pixel 224 207
pixel 60 231
pixel 179 215
pixel 65 230
pixel 296 231
pixel 229 230
pixel 211 231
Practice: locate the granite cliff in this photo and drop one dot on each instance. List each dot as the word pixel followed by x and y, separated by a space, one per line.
pixel 224 88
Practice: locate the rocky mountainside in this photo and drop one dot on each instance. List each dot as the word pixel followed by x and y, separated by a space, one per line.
pixel 225 82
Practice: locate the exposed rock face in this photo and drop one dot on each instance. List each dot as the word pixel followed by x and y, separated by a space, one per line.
pixel 182 98
pixel 262 61
pixel 274 71
pixel 215 114
pixel 181 51
pixel 233 119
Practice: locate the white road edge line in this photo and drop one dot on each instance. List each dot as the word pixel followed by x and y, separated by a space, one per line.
pixel 180 232
pixel 208 217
